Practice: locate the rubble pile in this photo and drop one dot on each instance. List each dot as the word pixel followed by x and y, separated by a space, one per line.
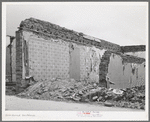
pixel 54 89
pixel 10 90
pixel 83 91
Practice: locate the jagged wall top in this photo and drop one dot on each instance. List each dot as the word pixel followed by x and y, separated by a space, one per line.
pixel 134 48
pixel 48 29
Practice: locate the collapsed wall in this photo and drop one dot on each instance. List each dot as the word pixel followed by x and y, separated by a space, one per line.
pixel 46 51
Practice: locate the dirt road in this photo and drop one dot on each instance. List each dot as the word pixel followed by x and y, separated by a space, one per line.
pixel 15 103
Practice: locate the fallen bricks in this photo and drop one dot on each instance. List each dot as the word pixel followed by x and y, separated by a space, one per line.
pixel 81 91
pixel 10 90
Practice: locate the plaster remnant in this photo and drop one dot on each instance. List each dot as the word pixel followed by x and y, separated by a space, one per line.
pixel 137 54
pixel 127 74
pixel 90 58
pixel 27 35
pixel 91 38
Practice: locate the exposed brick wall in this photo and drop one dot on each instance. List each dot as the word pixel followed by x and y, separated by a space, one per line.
pixel 140 54
pixel 50 58
pixel 48 29
pixel 103 68
pixel 19 65
pixel 135 48
pixel 13 55
pixel 8 68
pixel 47 53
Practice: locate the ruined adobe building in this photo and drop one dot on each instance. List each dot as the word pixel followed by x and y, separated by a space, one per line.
pixel 45 51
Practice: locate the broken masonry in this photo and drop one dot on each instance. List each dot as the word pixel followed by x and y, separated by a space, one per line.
pixel 45 51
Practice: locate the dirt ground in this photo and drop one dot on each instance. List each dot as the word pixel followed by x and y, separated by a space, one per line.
pixel 16 103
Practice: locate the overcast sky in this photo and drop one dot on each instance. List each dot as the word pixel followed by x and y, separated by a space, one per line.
pixel 123 24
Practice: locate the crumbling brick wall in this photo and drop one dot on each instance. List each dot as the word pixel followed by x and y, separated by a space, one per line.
pixel 103 68
pixel 19 64
pixel 13 55
pixel 141 54
pixel 50 58
pixel 43 59
pixel 46 51
pixel 11 61
pixel 136 50
pixel 8 68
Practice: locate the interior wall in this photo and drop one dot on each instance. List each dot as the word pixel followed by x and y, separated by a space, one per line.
pixel 90 58
pixel 74 67
pixel 48 59
pixel 55 58
pixel 125 75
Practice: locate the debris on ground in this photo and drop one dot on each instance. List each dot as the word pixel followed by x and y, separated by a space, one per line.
pixel 10 90
pixel 83 91
pixel 109 104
